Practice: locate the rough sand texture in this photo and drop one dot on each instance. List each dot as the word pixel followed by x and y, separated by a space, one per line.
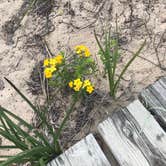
pixel 74 22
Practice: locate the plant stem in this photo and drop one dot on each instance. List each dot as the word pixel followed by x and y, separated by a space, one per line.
pixel 127 65
pixel 70 110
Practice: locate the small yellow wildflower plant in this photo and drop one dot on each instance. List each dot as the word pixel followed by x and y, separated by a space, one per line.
pixel 78 85
pixel 82 50
pixel 51 65
pixel 60 69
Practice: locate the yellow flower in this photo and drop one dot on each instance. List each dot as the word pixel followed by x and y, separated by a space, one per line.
pixel 53 69
pixel 48 71
pixel 86 83
pixel 78 49
pixel 87 52
pixel 78 82
pixel 82 50
pixel 46 62
pixel 71 84
pixel 52 61
pixel 76 88
pixel 59 59
pixel 89 89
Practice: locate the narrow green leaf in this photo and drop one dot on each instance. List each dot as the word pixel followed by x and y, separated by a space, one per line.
pixel 98 42
pixel 27 154
pixel 128 64
pixel 22 95
pixel 43 118
pixel 5 156
pixel 30 127
pixel 14 140
pixel 4 125
pixel 8 147
pixel 11 126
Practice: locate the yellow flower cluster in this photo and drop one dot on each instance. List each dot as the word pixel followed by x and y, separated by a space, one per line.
pixel 82 50
pixel 77 84
pixel 50 65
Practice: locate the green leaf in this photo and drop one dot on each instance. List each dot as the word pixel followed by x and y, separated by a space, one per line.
pixel 128 64
pixel 41 162
pixel 4 125
pixel 8 147
pixel 30 127
pixel 11 126
pixel 41 115
pixel 98 42
pixel 14 140
pixel 27 155
pixel 25 98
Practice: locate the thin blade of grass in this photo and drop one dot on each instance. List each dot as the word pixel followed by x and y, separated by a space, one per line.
pixel 98 42
pixel 4 125
pixel 27 136
pixel 25 156
pixel 11 126
pixel 8 147
pixel 58 133
pixel 128 64
pixel 43 118
pixel 30 127
pixel 116 54
pixel 5 156
pixel 16 130
pixel 29 102
pixel 23 96
pixel 14 140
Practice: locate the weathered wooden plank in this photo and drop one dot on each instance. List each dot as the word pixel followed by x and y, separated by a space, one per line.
pixel 60 161
pixel 159 91
pixel 151 102
pixel 118 133
pixel 154 97
pixel 152 130
pixel 48 164
pixel 162 81
pixel 85 153
pixel 134 137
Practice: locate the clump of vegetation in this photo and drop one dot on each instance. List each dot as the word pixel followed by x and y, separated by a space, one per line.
pixel 62 72
pixel 109 52
pixel 35 146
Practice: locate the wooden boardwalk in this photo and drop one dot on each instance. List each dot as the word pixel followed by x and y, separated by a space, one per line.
pixel 133 136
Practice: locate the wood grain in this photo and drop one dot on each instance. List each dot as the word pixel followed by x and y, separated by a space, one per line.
pixel 134 137
pixel 154 99
pixel 85 153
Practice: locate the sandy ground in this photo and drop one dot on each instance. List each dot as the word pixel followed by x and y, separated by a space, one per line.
pixel 74 22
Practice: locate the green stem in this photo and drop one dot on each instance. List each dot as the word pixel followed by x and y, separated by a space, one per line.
pixel 97 40
pixel 127 65
pixel 70 110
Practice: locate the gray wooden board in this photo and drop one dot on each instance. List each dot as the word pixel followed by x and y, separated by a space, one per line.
pixel 87 152
pixel 153 105
pixel 154 98
pixel 134 137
